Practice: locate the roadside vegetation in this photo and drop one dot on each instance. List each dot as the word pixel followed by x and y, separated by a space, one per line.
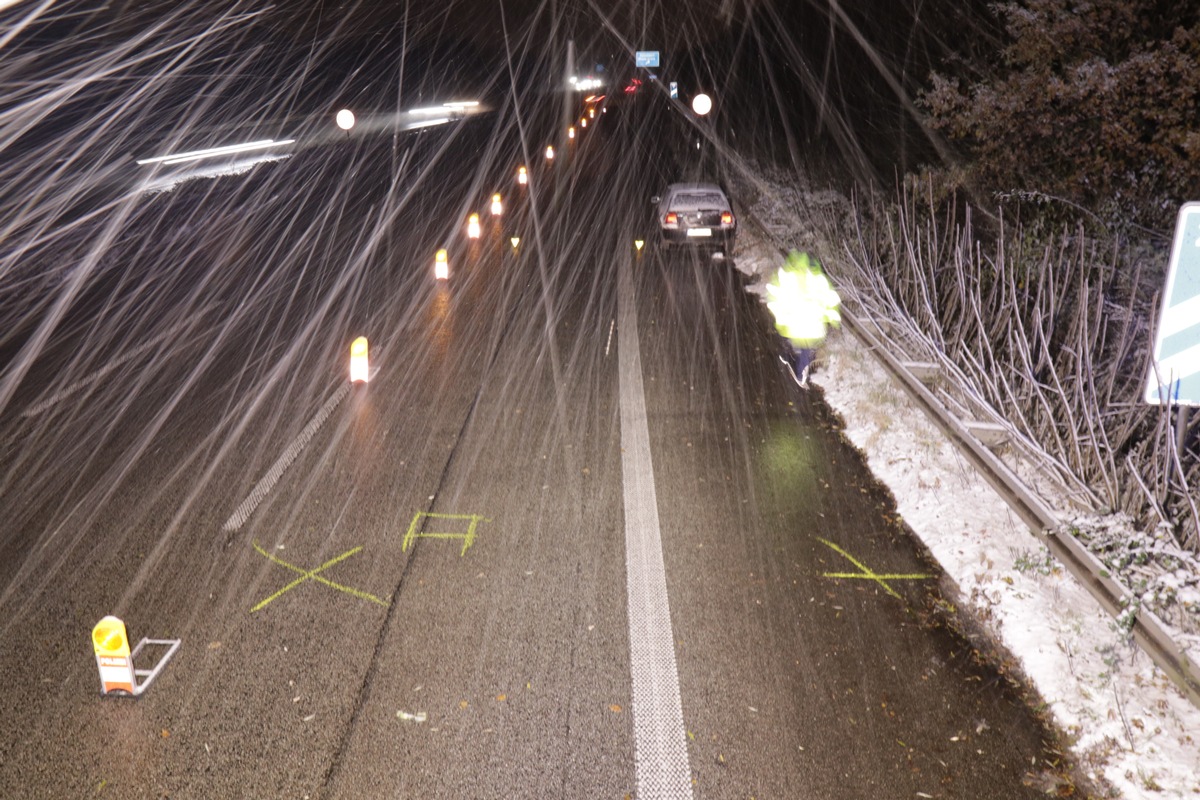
pixel 1083 129
pixel 1029 260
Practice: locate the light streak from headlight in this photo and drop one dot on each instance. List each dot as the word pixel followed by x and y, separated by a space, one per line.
pixel 213 152
pixel 428 123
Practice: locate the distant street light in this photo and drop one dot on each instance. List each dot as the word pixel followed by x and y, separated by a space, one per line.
pixel 345 119
pixel 702 104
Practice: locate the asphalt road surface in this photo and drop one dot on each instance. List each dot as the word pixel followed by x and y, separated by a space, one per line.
pixel 578 537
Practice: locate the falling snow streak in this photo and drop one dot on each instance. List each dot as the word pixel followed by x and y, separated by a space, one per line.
pixel 189 243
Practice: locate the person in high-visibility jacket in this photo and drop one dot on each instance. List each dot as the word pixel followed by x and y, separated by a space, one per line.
pixel 804 304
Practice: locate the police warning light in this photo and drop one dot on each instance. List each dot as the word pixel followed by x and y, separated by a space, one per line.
pixel 359 363
pixel 115 662
pixel 112 656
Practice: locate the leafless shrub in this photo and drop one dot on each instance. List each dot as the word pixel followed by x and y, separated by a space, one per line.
pixel 1049 332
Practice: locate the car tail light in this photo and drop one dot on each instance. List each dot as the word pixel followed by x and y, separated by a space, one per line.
pixel 671 218
pixel 726 218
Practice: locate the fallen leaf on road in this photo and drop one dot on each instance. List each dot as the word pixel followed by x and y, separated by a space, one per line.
pixel 616 709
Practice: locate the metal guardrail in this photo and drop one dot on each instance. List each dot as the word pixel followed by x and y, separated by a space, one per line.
pixel 1148 630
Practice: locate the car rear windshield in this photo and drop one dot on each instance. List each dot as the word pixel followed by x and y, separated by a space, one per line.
pixel 699 200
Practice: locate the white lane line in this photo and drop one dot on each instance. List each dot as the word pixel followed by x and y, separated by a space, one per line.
pixel 104 371
pixel 264 486
pixel 660 741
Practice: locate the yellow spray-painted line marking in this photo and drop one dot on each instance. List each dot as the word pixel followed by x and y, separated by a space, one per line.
pixel 468 537
pixel 313 575
pixel 866 573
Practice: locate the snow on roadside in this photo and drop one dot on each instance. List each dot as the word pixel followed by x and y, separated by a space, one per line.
pixel 1130 727
pixel 1129 724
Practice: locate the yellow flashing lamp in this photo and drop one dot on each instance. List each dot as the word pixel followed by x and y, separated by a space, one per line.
pixel 111 643
pixel 441 266
pixel 359 362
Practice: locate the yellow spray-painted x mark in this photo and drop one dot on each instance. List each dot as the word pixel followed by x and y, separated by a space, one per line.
pixel 313 575
pixel 867 573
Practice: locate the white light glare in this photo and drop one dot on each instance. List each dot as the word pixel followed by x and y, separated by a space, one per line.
pixel 196 155
pixel 426 123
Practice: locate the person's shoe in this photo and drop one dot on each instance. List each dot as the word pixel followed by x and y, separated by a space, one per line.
pixel 791 371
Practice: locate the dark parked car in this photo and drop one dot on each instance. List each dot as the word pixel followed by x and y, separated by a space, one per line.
pixel 697 215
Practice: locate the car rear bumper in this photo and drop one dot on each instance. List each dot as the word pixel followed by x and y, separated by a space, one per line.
pixel 718 237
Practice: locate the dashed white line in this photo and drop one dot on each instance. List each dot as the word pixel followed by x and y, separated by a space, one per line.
pixel 99 374
pixel 268 481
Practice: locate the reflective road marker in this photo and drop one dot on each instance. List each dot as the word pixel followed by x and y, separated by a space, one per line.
pixel 659 739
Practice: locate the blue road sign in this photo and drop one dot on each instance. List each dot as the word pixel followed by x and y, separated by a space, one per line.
pixel 674 90
pixel 646 58
pixel 1175 371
